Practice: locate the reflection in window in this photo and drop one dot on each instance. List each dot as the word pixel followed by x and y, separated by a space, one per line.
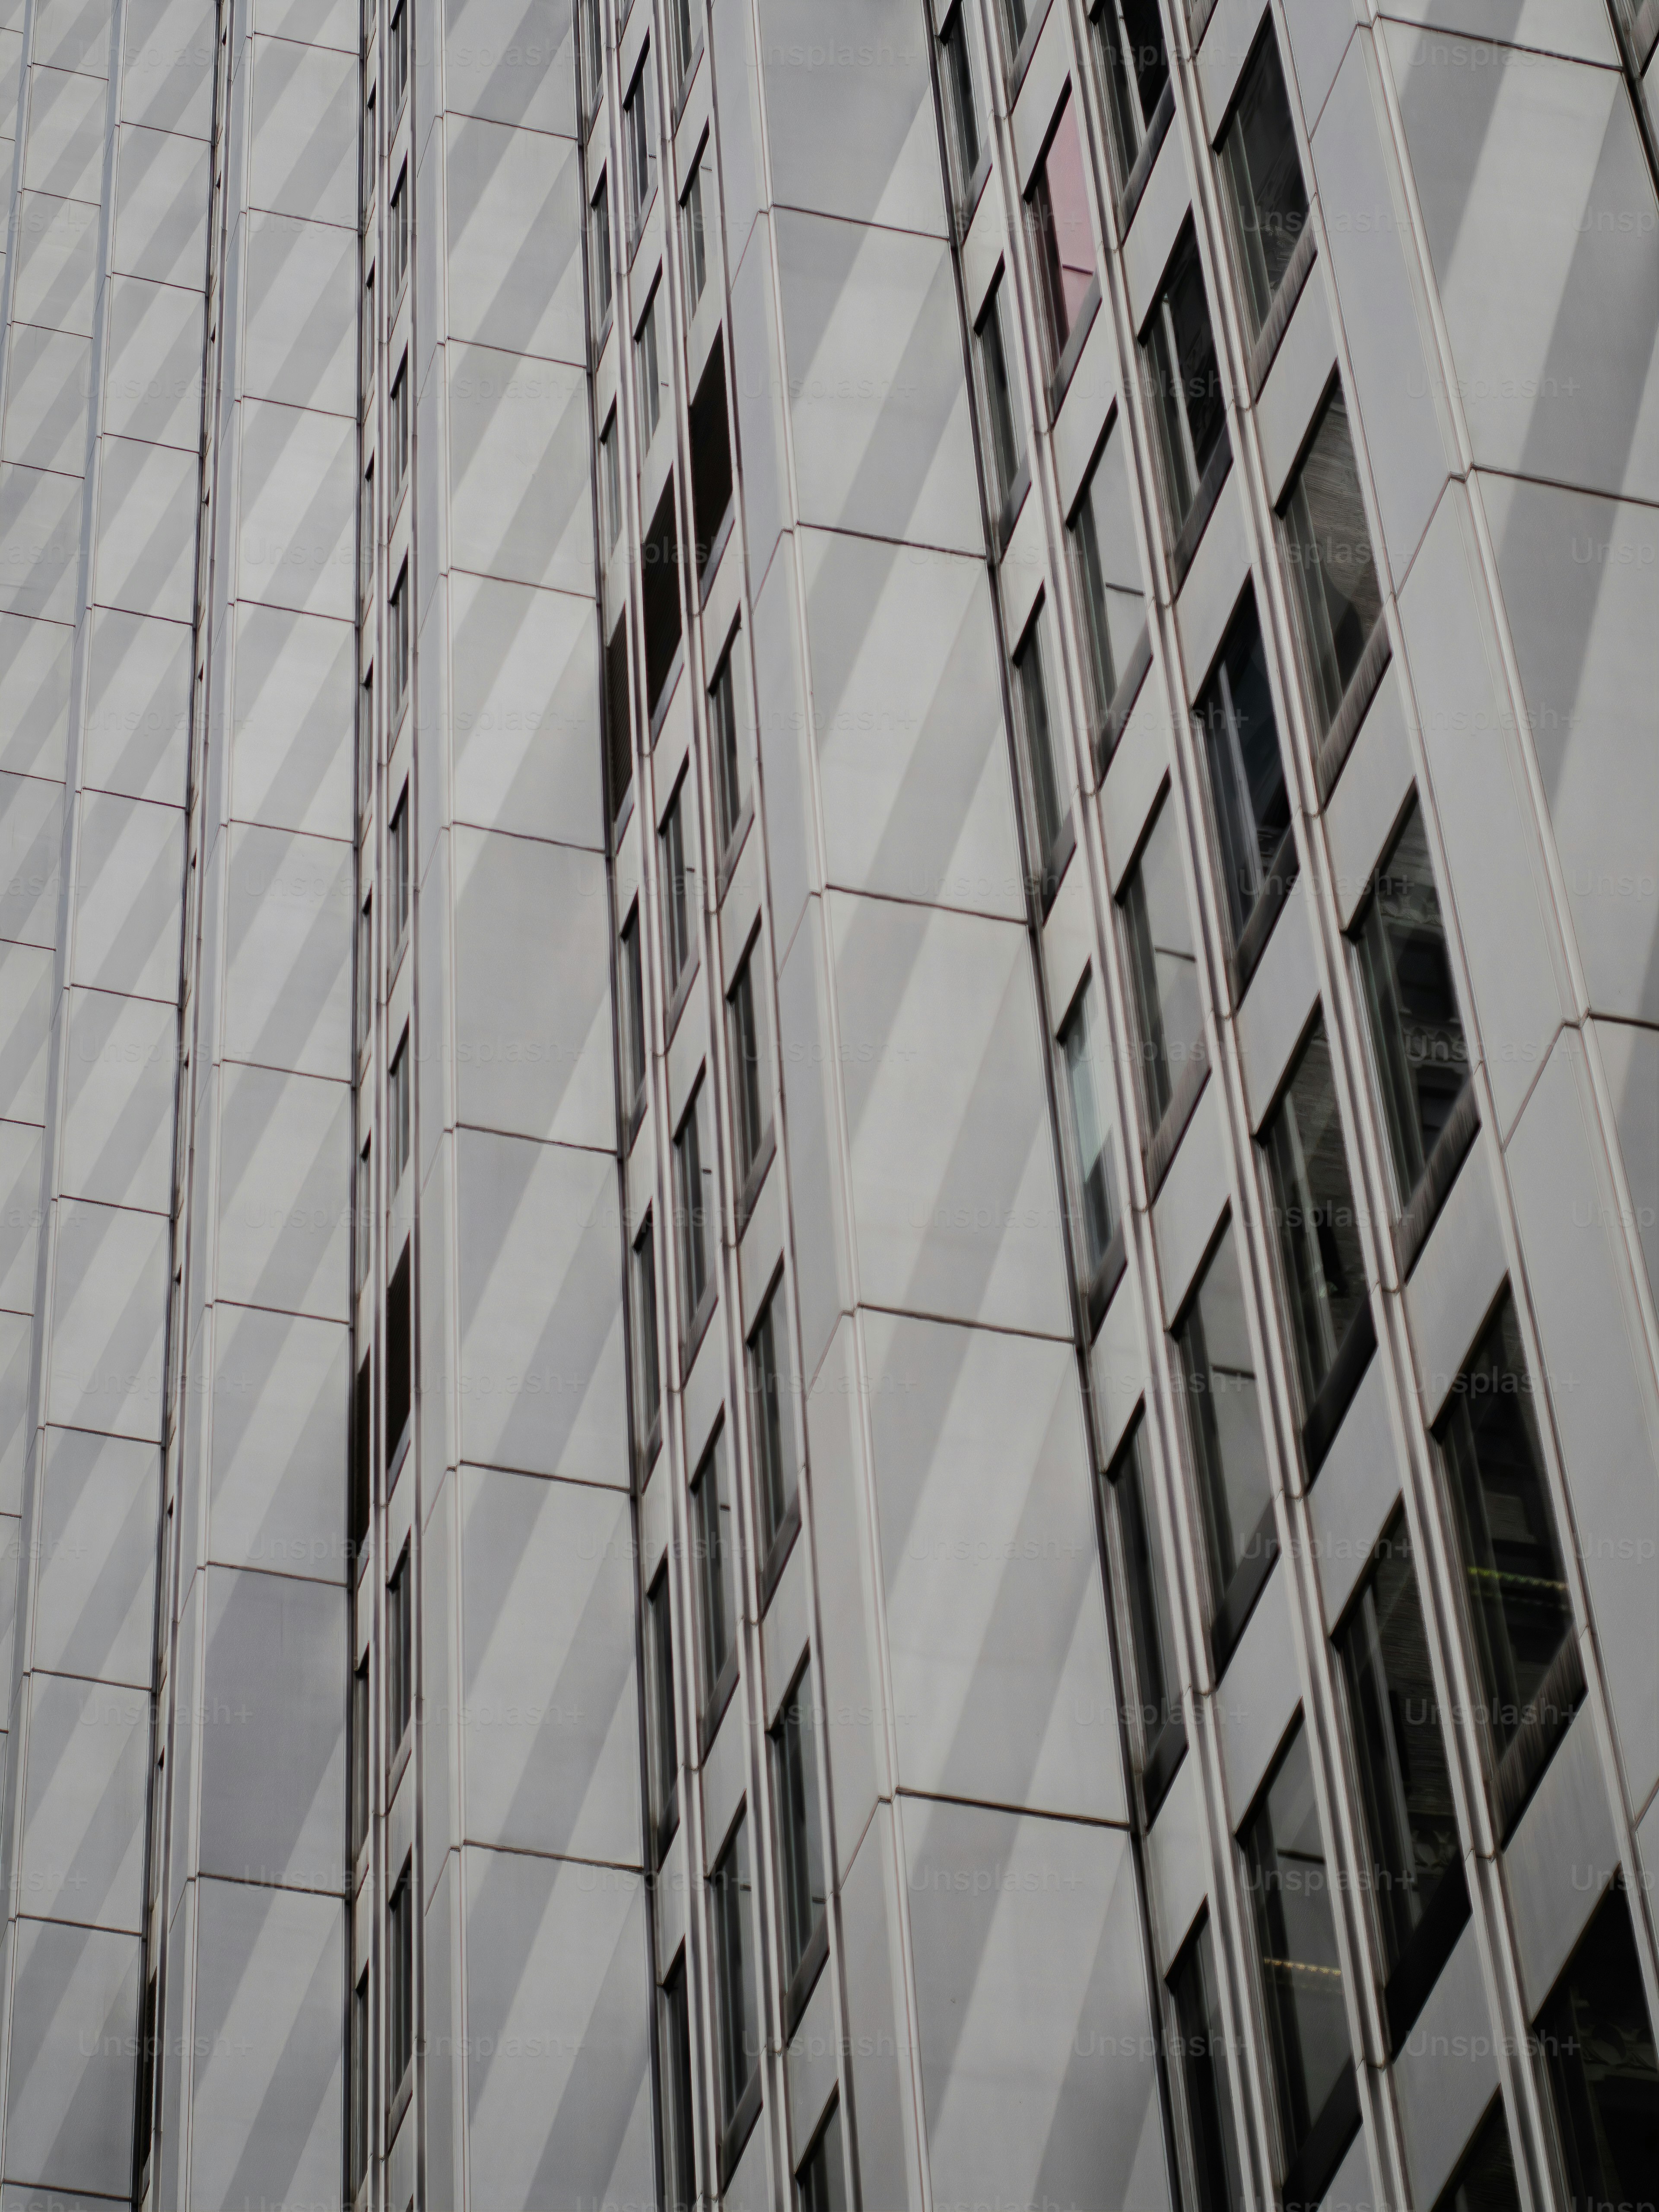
pixel 1224 1420
pixel 1063 238
pixel 1129 34
pixel 1156 1691
pixel 768 1414
pixel 1189 405
pixel 1163 963
pixel 994 350
pixel 679 2143
pixel 1205 2095
pixel 1328 545
pixel 1247 790
pixel 692 1211
pixel 821 2185
pixel 1083 1051
pixel 1269 202
pixel 1323 1264
pixel 1603 2071
pixel 1106 566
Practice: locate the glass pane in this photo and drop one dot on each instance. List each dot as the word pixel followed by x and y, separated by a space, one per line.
pixel 1049 804
pixel 648 1382
pixel 1108 570
pixel 1136 67
pixel 1061 234
pixel 734 1965
pixel 1604 2073
pixel 1158 1701
pixel 678 2150
pixel 691 1205
pixel 1416 1036
pixel 959 77
pixel 1091 1133
pixel 1165 964
pixel 1296 1936
pixel 770 1415
pixel 1328 547
pixel 1264 177
pixel 1400 1748
pixel 715 1560
pixel 1224 1420
pixel 1318 1228
pixel 822 2182
pixel 1202 2050
pixel 1519 1611
pixel 1486 2182
pixel 726 749
pixel 800 1825
pixel 662 1757
pixel 1186 378
pixel 1001 408
pixel 1248 788
pixel 749 1074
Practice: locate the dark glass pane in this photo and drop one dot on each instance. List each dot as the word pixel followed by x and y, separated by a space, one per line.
pixel 774 1464
pixel 1186 376
pixel 1063 239
pixel 691 1203
pixel 679 2139
pixel 714 1559
pixel 1156 1697
pixel 822 2182
pixel 1136 67
pixel 1604 2072
pixel 801 1826
pixel 1313 1200
pixel 648 1383
pixel 1106 564
pixel 737 2009
pixel 633 1022
pixel 1202 2053
pixel 726 752
pixel 662 1756
pixel 1485 2180
pixel 1218 1376
pixel 1001 408
pixel 1091 1133
pixel 1037 737
pixel 1165 964
pixel 958 76
pixel 1329 546
pixel 1246 768
pixel 1264 177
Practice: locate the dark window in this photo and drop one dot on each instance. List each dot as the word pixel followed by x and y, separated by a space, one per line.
pixel 359 1761
pixel 1604 2076
pixel 727 750
pixel 682 42
pixel 400 1982
pixel 357 2119
pixel 679 891
pixel 1015 18
pixel 693 1209
pixel 1163 964
pixel 1084 1052
pixel 1260 162
pixel 591 46
pixel 1319 1247
pixel 397 868
pixel 1179 347
pixel 397 253
pixel 680 2161
pixel 397 1112
pixel 1327 546
pixel 1206 2100
pixel 821 2183
pixel 599 249
pixel 1400 1748
pixel 396 58
pixel 368 167
pixel 1106 567
pixel 1047 797
pixel 994 350
pixel 1224 1419
pixel 368 338
pixel 611 492
pixel 662 1753
pixel 399 1653
pixel 1485 2180
pixel 1063 238
pixel 639 148
pixel 698 198
pixel 397 428
pixel 961 109
pixel 365 972
pixel 399 1362
pixel 397 636
pixel 362 1452
pixel 1155 1693
pixel 1247 790
pixel 647 374
pixel 365 742
pixel 648 1379
pixel 1519 1614
pixel 1289 1888
pixel 659 597
pixel 364 1210
pixel 618 719
pixel 366 537
pixel 736 2008
pixel 711 458
pixel 632 1020
pixel 1136 67
pixel 800 1822
pixel 750 1079
pixel 774 1460
pixel 1421 1059
pixel 714 1565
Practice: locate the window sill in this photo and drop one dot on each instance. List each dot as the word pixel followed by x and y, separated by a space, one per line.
pixel 714 1705
pixel 1432 1942
pixel 803 1980
pixel 1072 351
pixel 1141 169
pixel 1339 740
pixel 1263 917
pixel 1337 1392
pixel 1422 1209
pixel 1161 1147
pixel 1196 520
pixel 759 1168
pixel 1313 2167
pixel 778 1558
pixel 1123 699
pixel 1028 44
pixel 1291 284
pixel 1549 1714
pixel 734 2136
pixel 1238 1599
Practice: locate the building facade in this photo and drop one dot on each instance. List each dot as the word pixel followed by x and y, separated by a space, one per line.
pixel 829 1076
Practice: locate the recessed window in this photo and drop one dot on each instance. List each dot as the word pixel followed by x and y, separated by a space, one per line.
pixel 1062 236
pixel 647 1375
pixel 1247 791
pixel 1419 1051
pixel 365 742
pixel 772 1428
pixel 611 486
pixel 725 749
pixel 397 866
pixel 1405 1778
pixel 1318 1228
pixel 796 1795
pixel 365 971
pixel 684 41
pixel 1157 1730
pixel 1016 20
pixel 1604 2081
pixel 693 1211
pixel 396 58
pixel 368 167
pixel 751 1082
pixel 599 251
pixel 632 1024
pixel 696 203
pixel 737 2006
pixel 1206 2096
pixel 618 719
pixel 357 2113
pixel 1135 64
pixel 1189 406
pixel 397 428
pixel 400 1982
pixel 1328 548
pixel 399 1359
pixel 1517 1604
pixel 662 1750
pixel 1048 799
pixel 821 2183
pixel 714 1563
pixel 711 459
pixel 1218 1384
pixel 591 54
pixel 639 147
pixel 661 610
pixel 993 351
pixel 399 1654
pixel 368 340
pixel 1085 1055
pixel 1164 965
pixel 366 537
pixel 397 249
pixel 1486 2182
pixel 398 1110
pixel 397 641
pixel 961 107
pixel 1290 1885
pixel 679 2162
pixel 647 373
pixel 679 890
pixel 1267 198
pixel 1106 570
pixel 364 1211
pixel 360 1756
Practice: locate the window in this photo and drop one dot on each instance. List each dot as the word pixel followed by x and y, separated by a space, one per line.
pixel 692 1212
pixel 591 51
pixel 360 1763
pixel 610 491
pixel 698 199
pixel 639 148
pixel 992 349
pixel 357 2119
pixel 661 1736
pixel 365 971
pixel 679 887
pixel 821 2183
pixel 1164 965
pixel 397 641
pixel 618 720
pixel 1129 37
pixel 1106 572
pixel 1604 2080
pixel 1263 174
pixel 400 1982
pixel 369 166
pixel 399 1654
pixel 1189 407
pixel 1418 1049
pixel 367 340
pixel 647 1380
pixel 364 1223
pixel 397 870
pixel 1047 800
pixel 399 1359
pixel 1328 547
pixel 1202 2049
pixel 363 1455
pixel 726 751
pixel 1518 1610
pixel 800 1835
pixel 397 235
pixel 679 2179
pixel 1015 21
pixel 397 1111
pixel 1485 2180
pixel 1248 794
pixel 711 460
pixel 397 429
pixel 750 1076
pixel 684 43
pixel 737 2008
pixel 365 742
pixel 1063 238
pixel 633 1022
pixel 1090 1138
pixel 1319 1247
pixel 1230 1459
pixel 598 248
pixel 647 374
pixel 397 58
pixel 774 1453
pixel 1290 1890
pixel 955 69
pixel 1158 1727
pixel 660 605
pixel 714 1571
pixel 365 537
pixel 1417 1879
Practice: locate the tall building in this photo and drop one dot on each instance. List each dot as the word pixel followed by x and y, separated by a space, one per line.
pixel 829 1056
